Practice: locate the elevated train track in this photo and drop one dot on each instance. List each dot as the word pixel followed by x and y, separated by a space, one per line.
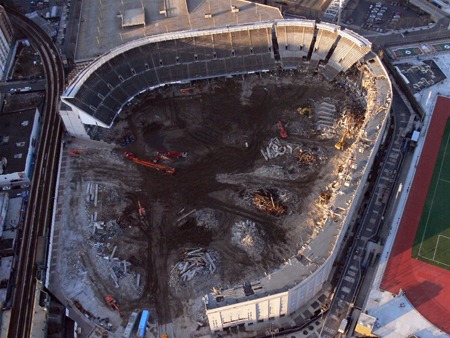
pixel 40 204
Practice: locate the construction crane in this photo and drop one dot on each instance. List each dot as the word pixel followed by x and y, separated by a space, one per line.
pixel 341 143
pixel 283 133
pixel 112 303
pixel 149 164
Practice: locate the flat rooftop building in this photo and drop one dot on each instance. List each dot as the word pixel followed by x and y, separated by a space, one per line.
pixel 18 141
pixel 105 25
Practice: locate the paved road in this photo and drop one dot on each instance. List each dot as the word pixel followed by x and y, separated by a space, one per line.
pixel 17 86
pixel 38 214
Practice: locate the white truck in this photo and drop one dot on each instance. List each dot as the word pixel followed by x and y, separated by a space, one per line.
pixel 343 326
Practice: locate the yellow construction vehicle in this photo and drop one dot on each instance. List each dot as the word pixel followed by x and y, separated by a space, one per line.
pixel 341 143
pixel 305 111
pixel 164 335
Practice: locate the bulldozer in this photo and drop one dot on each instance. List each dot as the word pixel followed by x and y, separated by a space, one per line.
pixel 341 143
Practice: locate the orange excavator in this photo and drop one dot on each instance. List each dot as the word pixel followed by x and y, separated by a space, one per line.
pixel 149 164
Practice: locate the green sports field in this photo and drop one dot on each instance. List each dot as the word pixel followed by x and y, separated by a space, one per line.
pixel 432 242
pixel 405 52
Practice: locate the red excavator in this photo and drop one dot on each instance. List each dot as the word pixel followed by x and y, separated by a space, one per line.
pixel 282 130
pixel 149 164
pixel 112 303
pixel 172 154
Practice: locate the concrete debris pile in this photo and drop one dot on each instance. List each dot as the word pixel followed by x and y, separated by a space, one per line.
pixel 195 262
pixel 102 231
pixel 206 218
pixel 120 271
pixel 92 194
pixel 102 322
pixel 275 149
pixel 246 236
pixel 265 200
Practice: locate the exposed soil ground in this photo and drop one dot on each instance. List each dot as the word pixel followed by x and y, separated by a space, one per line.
pixel 223 125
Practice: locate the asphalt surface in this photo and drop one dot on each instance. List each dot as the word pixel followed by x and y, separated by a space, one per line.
pixel 40 206
pixel 22 86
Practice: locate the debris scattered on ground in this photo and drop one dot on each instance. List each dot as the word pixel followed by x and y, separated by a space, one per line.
pixel 275 149
pixel 267 201
pixel 195 262
pixel 246 236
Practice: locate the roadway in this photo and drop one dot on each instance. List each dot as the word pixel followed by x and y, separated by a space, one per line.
pixel 21 86
pixel 42 190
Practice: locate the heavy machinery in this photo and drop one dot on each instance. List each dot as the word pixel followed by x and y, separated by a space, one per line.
pixel 149 164
pixel 142 212
pixel 305 111
pixel 283 133
pixel 172 154
pixel 76 151
pixel 341 143
pixel 112 303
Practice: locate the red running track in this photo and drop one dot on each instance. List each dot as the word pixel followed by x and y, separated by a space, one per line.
pixel 425 285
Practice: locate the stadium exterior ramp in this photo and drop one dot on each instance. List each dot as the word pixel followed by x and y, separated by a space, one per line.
pixel 98 94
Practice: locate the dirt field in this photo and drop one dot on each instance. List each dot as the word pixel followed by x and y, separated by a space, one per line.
pixel 222 125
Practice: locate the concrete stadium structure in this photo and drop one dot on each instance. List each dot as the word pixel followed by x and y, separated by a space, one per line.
pixel 99 92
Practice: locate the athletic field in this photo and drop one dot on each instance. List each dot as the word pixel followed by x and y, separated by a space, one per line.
pixel 432 242
pixel 405 52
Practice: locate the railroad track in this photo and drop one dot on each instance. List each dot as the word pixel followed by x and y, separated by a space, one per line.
pixel 40 205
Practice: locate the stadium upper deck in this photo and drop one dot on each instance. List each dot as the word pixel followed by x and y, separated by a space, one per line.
pixel 99 93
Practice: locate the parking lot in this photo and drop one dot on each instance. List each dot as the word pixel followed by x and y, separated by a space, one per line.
pixel 383 16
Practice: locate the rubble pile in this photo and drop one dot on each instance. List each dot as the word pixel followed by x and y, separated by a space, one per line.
pixel 103 238
pixel 275 149
pixel 103 322
pixel 206 218
pixel 266 201
pixel 305 157
pixel 195 262
pixel 247 236
pixel 325 197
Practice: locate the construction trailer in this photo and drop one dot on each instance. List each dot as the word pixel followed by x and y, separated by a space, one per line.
pixel 143 323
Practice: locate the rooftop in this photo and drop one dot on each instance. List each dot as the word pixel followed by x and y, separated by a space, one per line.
pixel 102 30
pixel 15 134
pixel 133 17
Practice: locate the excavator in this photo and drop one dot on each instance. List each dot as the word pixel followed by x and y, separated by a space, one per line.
pixel 283 133
pixel 305 111
pixel 341 143
pixel 172 154
pixel 149 164
pixel 112 303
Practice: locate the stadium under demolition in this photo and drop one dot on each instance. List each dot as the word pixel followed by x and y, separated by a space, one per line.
pixel 222 192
